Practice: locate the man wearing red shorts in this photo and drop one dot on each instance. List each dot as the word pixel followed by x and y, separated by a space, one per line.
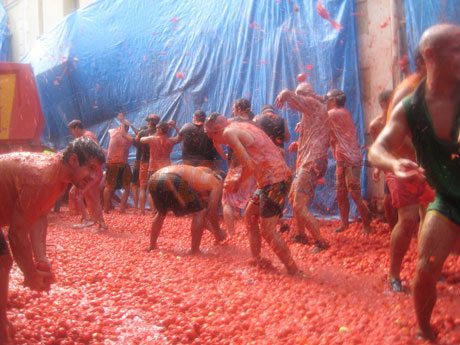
pixel 117 163
pixel 346 152
pixel 92 193
pixel 30 183
pixel 410 196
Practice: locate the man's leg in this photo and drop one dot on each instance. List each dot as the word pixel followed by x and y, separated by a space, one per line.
pixel 6 262
pixel 281 249
pixel 251 217
pixel 342 200
pixel 401 236
pixel 352 178
pixel 197 230
pixel 134 192
pixel 304 217
pixel 437 236
pixel 229 221
pixel 124 199
pixel 157 224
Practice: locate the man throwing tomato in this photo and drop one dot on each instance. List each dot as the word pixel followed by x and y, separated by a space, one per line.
pixel 30 183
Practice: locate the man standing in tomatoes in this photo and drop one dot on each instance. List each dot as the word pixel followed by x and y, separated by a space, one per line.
pixel 30 183
pixel 261 158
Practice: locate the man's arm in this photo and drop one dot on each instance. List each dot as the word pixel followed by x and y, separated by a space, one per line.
pixel 287 134
pixel 391 137
pixel 304 104
pixel 147 140
pixel 22 250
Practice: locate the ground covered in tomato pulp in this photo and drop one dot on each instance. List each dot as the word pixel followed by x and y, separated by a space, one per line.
pixel 109 290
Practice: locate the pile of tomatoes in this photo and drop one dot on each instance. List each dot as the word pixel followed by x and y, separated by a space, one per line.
pixel 110 290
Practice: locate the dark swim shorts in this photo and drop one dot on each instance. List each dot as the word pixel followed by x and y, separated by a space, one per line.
pixel 171 193
pixel 271 198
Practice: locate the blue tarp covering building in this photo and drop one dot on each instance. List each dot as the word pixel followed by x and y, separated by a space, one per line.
pixel 420 16
pixel 171 57
pixel 5 36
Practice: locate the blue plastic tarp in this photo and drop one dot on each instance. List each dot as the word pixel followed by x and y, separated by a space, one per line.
pixel 171 57
pixel 5 36
pixel 420 15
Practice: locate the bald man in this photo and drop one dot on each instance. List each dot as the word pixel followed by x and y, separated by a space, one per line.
pixel 311 163
pixel 431 117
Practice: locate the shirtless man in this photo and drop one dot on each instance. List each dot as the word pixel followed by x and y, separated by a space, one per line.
pixel 92 193
pixel 430 116
pixel 185 189
pixel 152 122
pixel 235 200
pixel 117 163
pixel 311 163
pixel 261 158
pixel 375 127
pixel 30 184
pixel 346 153
pixel 409 196
pixel 161 146
pixel 277 129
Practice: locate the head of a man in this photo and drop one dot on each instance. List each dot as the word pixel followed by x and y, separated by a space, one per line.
pixel 242 107
pixel 84 158
pixel 440 48
pixel 384 99
pixel 75 128
pixel 199 117
pixel 163 128
pixel 304 89
pixel 152 120
pixel 267 109
pixel 214 126
pixel 335 99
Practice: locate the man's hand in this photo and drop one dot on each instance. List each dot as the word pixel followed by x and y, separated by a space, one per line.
pixel 405 168
pixel 376 175
pixel 293 147
pixel 279 101
pixel 39 280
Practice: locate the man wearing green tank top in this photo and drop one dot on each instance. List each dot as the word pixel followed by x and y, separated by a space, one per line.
pixel 432 117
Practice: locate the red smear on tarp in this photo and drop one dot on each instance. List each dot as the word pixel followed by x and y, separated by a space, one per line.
pixel 180 75
pixel 309 67
pixel 325 15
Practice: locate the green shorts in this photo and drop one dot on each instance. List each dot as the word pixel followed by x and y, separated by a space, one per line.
pixel 447 206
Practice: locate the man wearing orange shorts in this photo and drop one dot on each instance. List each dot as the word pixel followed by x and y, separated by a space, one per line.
pixel 117 163
pixel 30 183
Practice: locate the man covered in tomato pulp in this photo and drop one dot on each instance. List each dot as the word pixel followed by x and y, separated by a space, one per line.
pixel 30 183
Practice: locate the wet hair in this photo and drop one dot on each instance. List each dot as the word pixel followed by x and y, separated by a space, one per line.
pixel 143 127
pixel 153 118
pixel 215 122
pixel 163 126
pixel 200 115
pixel 75 124
pixel 338 96
pixel 385 96
pixel 85 149
pixel 267 108
pixel 243 103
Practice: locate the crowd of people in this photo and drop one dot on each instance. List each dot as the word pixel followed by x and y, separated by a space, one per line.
pixel 416 140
